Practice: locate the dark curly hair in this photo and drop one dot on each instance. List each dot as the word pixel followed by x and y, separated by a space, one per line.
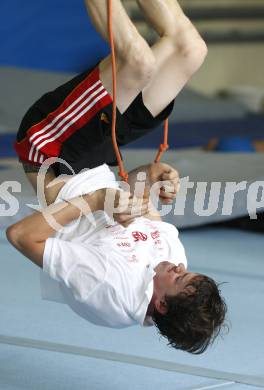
pixel 194 318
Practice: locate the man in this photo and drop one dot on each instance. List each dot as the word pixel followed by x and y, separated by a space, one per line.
pixel 132 271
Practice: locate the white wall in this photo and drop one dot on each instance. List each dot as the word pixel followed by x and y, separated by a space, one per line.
pixel 231 64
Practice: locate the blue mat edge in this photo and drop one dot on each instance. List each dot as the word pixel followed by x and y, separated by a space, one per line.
pixel 189 134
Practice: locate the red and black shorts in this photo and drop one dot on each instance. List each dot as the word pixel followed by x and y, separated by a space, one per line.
pixel 73 122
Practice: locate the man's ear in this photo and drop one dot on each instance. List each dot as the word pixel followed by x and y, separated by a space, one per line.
pixel 161 306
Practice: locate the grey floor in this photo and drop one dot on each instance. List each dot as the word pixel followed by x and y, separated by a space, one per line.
pixel 44 345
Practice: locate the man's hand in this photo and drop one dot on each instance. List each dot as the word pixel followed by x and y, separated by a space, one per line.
pixel 122 206
pixel 161 172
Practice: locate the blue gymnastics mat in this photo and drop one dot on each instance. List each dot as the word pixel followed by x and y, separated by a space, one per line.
pixel 181 135
pixel 44 345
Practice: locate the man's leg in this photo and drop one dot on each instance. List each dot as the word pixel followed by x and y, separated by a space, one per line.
pixel 179 52
pixel 135 60
pixel 134 70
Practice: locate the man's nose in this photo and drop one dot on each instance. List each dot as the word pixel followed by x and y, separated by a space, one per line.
pixel 181 268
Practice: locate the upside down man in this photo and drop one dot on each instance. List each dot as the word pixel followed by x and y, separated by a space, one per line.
pixel 129 267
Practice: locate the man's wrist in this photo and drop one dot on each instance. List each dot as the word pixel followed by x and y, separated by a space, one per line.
pixel 154 173
pixel 96 199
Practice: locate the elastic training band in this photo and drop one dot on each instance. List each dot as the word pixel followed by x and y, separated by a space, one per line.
pixel 122 173
pixel 163 147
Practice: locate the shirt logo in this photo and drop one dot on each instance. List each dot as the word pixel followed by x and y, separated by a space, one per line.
pixel 104 118
pixel 132 259
pixel 139 236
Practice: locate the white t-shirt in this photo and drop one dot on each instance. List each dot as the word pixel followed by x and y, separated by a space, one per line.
pixel 106 274
pixel 102 270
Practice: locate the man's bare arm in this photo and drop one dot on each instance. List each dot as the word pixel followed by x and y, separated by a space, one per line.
pixel 30 234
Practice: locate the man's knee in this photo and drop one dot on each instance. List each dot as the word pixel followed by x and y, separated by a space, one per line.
pixel 139 58
pixel 189 44
pixel 195 53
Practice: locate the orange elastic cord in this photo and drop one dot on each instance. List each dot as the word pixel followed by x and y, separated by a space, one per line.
pixel 122 173
pixel 163 147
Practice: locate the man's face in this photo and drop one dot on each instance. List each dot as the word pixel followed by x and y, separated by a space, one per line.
pixel 170 280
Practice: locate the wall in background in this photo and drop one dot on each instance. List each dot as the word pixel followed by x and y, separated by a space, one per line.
pixel 231 29
pixel 49 35
pixel 57 35
pixel 231 65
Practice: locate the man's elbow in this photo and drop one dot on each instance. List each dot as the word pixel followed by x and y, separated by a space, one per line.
pixel 26 244
pixel 12 234
pixel 16 236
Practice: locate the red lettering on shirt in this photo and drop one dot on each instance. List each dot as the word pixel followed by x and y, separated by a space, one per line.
pixel 139 236
pixel 122 244
pixel 155 234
